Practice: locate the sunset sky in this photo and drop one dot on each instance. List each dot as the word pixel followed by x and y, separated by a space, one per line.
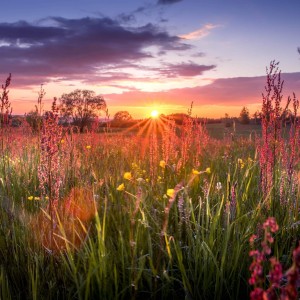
pixel 145 55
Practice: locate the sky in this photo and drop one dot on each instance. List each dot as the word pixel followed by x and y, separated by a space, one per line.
pixel 145 55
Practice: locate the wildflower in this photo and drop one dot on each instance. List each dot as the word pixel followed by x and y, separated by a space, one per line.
pixel 37 198
pixel 140 180
pixel 272 224
pixel 88 147
pixel 30 198
pixel 208 171
pixel 219 186
pixel 241 163
pixel 171 193
pixel 252 238
pixel 121 187
pixel 147 179
pixel 195 172
pixel 257 293
pixel 276 272
pixel 46 198
pixel 127 175
pixel 256 267
pixel 62 141
pixel 162 164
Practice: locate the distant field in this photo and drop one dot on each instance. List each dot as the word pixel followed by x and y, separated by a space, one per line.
pixel 217 131
pixel 220 131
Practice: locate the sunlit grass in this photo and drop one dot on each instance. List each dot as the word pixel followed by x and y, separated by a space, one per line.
pixel 134 220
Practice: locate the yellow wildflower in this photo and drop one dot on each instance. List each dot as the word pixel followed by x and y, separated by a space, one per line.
pixel 37 198
pixel 134 166
pixel 30 198
pixel 162 164
pixel 88 147
pixel 170 192
pixel 127 175
pixel 147 179
pixel 62 141
pixel 121 187
pixel 208 171
pixel 195 172
pixel 47 198
pixel 241 163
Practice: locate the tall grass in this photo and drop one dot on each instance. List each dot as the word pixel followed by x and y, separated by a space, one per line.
pixel 134 247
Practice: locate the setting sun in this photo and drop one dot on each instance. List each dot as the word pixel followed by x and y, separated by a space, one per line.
pixel 154 114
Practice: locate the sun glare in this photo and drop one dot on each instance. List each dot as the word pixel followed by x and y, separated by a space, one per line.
pixel 154 114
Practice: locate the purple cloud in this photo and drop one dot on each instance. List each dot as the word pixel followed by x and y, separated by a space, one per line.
pixel 78 47
pixel 22 32
pixel 184 69
pixel 239 91
pixel 165 2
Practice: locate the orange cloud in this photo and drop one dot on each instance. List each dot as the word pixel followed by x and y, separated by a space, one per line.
pixel 199 33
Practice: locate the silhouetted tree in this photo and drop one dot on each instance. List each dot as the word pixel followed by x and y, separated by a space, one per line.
pixel 122 116
pixel 227 120
pixel 244 116
pixel 257 116
pixel 34 120
pixel 82 106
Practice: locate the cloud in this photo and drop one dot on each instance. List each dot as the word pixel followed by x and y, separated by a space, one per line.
pixel 166 2
pixel 183 70
pixel 240 91
pixel 24 33
pixel 199 33
pixel 78 47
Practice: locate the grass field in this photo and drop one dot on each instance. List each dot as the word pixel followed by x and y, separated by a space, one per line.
pixel 238 130
pixel 166 214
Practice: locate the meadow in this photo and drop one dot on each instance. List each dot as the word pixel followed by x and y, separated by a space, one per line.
pixel 165 213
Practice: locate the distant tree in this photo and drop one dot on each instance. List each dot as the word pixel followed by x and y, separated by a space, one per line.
pixel 178 117
pixel 34 120
pixel 16 121
pixel 82 106
pixel 244 116
pixel 122 116
pixel 227 120
pixel 257 116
